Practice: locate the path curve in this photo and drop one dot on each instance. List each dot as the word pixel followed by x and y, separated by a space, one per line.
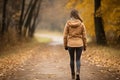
pixel 56 40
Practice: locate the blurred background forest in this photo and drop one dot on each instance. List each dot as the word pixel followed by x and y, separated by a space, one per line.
pixel 20 18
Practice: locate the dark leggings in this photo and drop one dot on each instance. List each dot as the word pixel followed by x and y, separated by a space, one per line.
pixel 72 51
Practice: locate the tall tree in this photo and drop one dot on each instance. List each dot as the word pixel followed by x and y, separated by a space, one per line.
pixel 24 16
pixel 99 28
pixel 21 16
pixel 30 17
pixel 27 11
pixel 33 27
pixel 4 16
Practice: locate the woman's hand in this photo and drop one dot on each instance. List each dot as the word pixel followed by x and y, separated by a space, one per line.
pixel 84 48
pixel 66 48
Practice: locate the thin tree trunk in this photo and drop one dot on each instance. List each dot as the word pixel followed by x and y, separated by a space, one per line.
pixel 24 18
pixel 29 17
pixel 35 18
pixel 21 17
pixel 27 11
pixel 99 28
pixel 4 16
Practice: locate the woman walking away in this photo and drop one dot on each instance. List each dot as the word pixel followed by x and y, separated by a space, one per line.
pixel 75 41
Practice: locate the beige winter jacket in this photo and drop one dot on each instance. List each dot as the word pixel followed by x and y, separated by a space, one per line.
pixel 74 34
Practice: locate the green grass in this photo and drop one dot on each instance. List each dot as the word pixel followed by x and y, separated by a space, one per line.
pixel 43 40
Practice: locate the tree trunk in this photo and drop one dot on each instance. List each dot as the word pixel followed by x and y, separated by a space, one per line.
pixel 30 16
pixel 21 17
pixel 99 28
pixel 33 27
pixel 4 17
pixel 24 16
pixel 27 11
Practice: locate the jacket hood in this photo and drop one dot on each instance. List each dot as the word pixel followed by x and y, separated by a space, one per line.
pixel 74 23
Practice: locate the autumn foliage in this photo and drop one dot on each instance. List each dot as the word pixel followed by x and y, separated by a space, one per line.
pixel 109 11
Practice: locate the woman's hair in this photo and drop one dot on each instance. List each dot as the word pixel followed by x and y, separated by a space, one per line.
pixel 75 14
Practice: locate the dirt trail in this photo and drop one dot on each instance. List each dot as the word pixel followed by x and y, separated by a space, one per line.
pixel 51 62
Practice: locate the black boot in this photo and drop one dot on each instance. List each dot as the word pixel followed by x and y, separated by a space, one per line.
pixel 73 75
pixel 77 77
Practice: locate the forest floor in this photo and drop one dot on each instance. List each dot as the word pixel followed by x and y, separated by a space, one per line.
pixel 47 60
